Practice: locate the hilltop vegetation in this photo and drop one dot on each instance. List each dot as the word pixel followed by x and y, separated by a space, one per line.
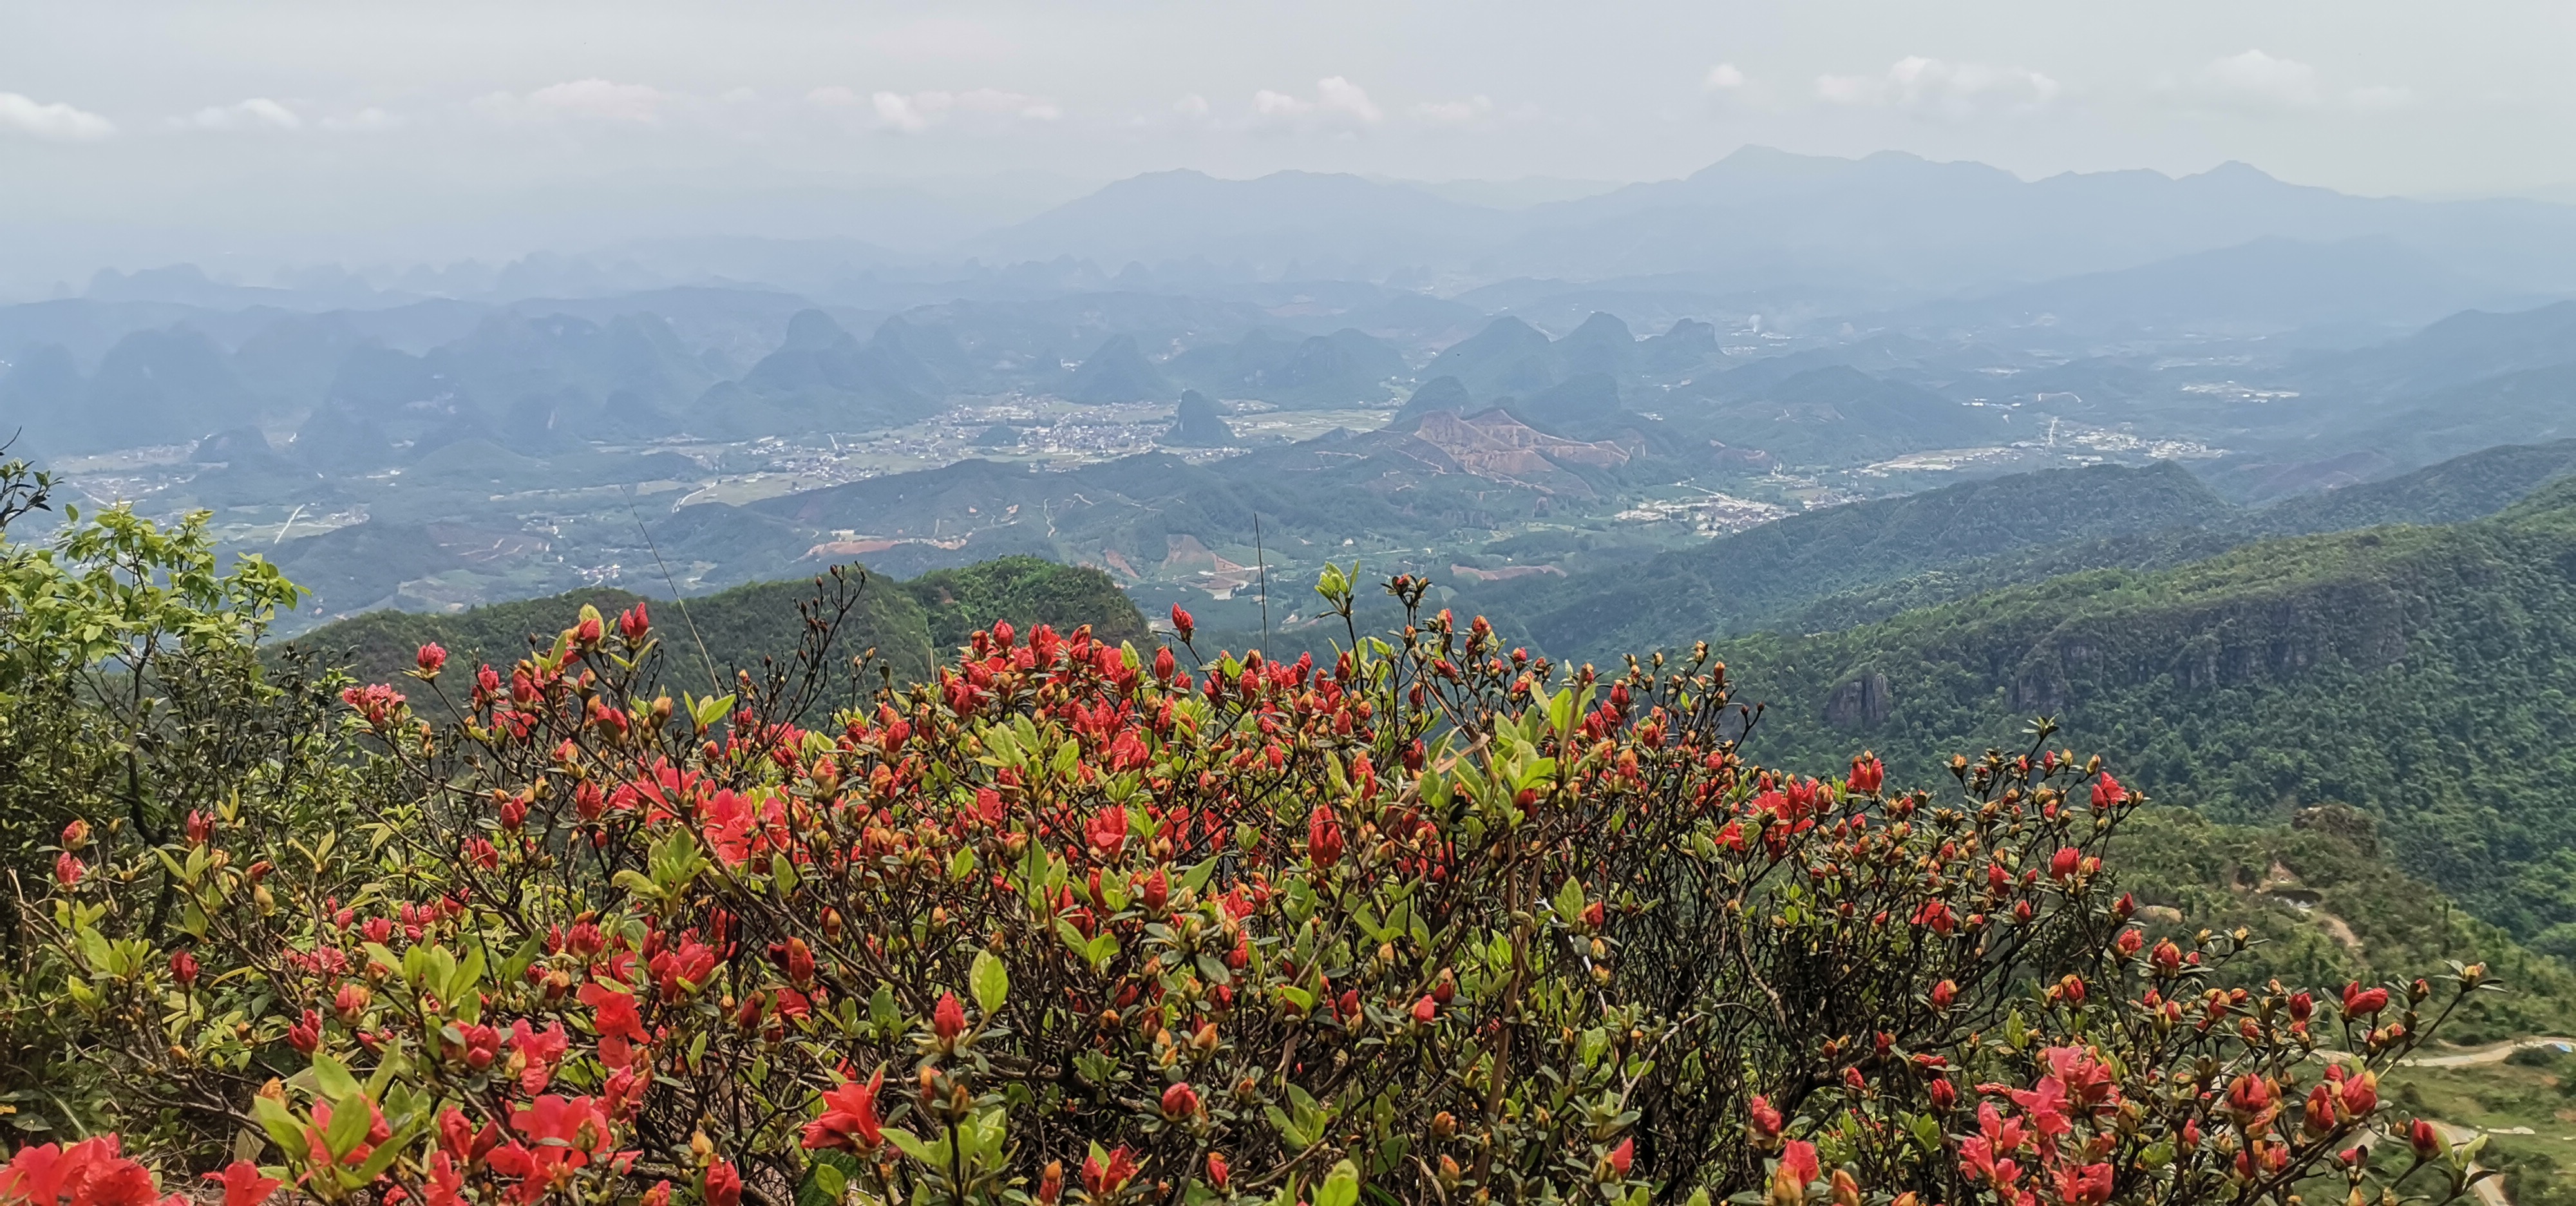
pixel 1868 561
pixel 2415 673
pixel 910 625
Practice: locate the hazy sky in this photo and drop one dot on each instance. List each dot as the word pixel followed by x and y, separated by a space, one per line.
pixel 369 127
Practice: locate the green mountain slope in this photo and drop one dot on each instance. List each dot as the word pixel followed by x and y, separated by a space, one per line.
pixel 1863 563
pixel 1747 580
pixel 911 624
pixel 2417 673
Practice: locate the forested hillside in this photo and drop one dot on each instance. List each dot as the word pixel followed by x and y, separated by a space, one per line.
pixel 2416 673
pixel 910 624
pixel 1854 564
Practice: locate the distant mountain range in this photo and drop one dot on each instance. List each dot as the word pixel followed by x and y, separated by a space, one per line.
pixel 1889 224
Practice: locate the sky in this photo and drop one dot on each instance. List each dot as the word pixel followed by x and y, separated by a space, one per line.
pixel 269 131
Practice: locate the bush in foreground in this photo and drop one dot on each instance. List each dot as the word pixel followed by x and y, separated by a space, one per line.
pixel 1435 923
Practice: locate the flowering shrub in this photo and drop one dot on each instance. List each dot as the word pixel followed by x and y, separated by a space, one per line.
pixel 1438 922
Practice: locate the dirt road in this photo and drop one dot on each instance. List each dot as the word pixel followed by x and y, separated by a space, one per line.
pixel 2494 1054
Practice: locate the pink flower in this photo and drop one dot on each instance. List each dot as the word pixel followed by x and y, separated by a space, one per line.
pixel 243 1186
pixel 849 1117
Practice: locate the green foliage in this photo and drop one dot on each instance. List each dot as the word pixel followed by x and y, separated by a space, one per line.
pixel 2330 908
pixel 1760 576
pixel 909 624
pixel 132 698
pixel 1025 591
pixel 2415 673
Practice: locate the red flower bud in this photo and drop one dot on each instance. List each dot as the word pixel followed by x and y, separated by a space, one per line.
pixel 1426 1011
pixel 1943 994
pixel 430 660
pixel 1180 1101
pixel 1323 837
pixel 1181 622
pixel 183 968
pixel 1765 1120
pixel 2424 1139
pixel 2361 1095
pixel 2107 791
pixel 1622 1156
pixel 2064 863
pixel 633 623
pixel 2361 1002
pixel 948 1018
pixel 723 1185
pixel 1218 1175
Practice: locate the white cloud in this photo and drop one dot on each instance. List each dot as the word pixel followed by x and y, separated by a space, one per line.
pixel 1724 77
pixel 895 111
pixel 2256 80
pixel 257 113
pixel 1453 113
pixel 1194 107
pixel 1951 90
pixel 365 121
pixel 1333 94
pixel 912 112
pixel 54 122
pixel 1338 103
pixel 581 100
pixel 2260 84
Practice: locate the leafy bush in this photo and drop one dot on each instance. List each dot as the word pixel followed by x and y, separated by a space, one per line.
pixel 1435 922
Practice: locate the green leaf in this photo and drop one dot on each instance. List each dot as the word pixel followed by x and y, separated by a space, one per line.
pixel 1570 901
pixel 1341 1187
pixel 350 1120
pixel 282 1126
pixel 990 981
pixel 331 1079
pixel 1196 878
pixel 909 1144
pixel 826 1180
pixel 883 1013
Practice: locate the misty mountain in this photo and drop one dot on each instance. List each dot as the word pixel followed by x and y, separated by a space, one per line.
pixel 1833 415
pixel 1118 372
pixel 1286 218
pixel 2269 285
pixel 1339 369
pixel 1196 424
pixel 1891 224
pixel 821 379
